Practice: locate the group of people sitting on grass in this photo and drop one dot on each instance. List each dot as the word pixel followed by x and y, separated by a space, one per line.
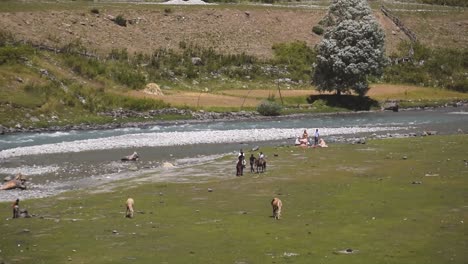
pixel 305 142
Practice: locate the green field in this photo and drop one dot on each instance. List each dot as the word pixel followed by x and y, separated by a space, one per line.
pixel 391 201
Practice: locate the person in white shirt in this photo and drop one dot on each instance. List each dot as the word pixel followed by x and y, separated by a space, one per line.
pixel 316 137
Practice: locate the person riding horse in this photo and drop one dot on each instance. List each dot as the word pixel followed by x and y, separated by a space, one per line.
pixel 260 163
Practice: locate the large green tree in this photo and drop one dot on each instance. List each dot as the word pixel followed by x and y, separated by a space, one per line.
pixel 351 50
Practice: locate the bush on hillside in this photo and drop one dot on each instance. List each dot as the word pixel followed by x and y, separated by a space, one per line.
pixel 444 68
pixel 459 86
pixel 14 54
pixel 88 67
pixel 318 30
pixel 297 58
pixel 269 108
pixel 462 3
pixel 118 54
pixel 129 77
pixel 6 38
pixel 121 21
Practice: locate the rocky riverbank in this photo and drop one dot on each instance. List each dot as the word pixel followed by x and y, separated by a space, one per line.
pixel 122 114
pixel 191 117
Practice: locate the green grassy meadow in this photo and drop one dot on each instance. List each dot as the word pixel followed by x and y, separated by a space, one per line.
pixel 361 197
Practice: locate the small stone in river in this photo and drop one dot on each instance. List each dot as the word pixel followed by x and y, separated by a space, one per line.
pixel 405 157
pixel 114 232
pixel 210 190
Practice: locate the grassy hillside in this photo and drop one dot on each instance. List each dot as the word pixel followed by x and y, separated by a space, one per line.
pixel 68 62
pixel 390 201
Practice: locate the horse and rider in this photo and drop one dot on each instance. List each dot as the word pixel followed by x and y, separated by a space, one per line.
pixel 240 163
pixel 260 163
pixel 256 164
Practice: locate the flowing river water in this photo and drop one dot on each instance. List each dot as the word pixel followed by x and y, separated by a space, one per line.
pixel 60 161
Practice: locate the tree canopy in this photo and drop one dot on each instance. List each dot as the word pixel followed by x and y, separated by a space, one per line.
pixel 351 50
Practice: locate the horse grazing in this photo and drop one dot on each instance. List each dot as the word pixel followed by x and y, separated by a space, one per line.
pixel 277 205
pixel 130 204
pixel 260 164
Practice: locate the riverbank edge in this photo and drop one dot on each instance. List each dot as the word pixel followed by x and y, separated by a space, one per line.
pixel 198 117
pixel 143 174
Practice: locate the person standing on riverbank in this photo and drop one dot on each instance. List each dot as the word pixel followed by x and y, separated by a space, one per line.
pixel 16 210
pixel 316 137
pixel 252 162
pixel 242 158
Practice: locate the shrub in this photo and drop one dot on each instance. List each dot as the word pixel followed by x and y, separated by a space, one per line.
pixel 462 3
pixel 117 54
pixel 269 108
pixel 430 67
pixel 6 37
pixel 14 54
pixel 460 86
pixel 318 30
pixel 88 67
pixel 121 21
pixel 296 57
pixel 128 77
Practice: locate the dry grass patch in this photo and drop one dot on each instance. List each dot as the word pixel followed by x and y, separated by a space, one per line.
pixel 251 98
pixel 267 93
pixel 199 99
pixel 408 92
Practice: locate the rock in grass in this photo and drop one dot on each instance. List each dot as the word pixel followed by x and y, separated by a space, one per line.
pixel 346 251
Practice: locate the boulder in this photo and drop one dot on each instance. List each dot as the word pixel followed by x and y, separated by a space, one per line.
pixel 153 89
pixel 167 165
pixel 132 157
pixel 390 105
pixel 197 61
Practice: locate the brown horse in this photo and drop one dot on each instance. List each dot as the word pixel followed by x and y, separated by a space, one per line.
pixel 277 205
pixel 260 164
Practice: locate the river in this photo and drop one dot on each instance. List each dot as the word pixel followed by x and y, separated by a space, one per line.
pixel 60 161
